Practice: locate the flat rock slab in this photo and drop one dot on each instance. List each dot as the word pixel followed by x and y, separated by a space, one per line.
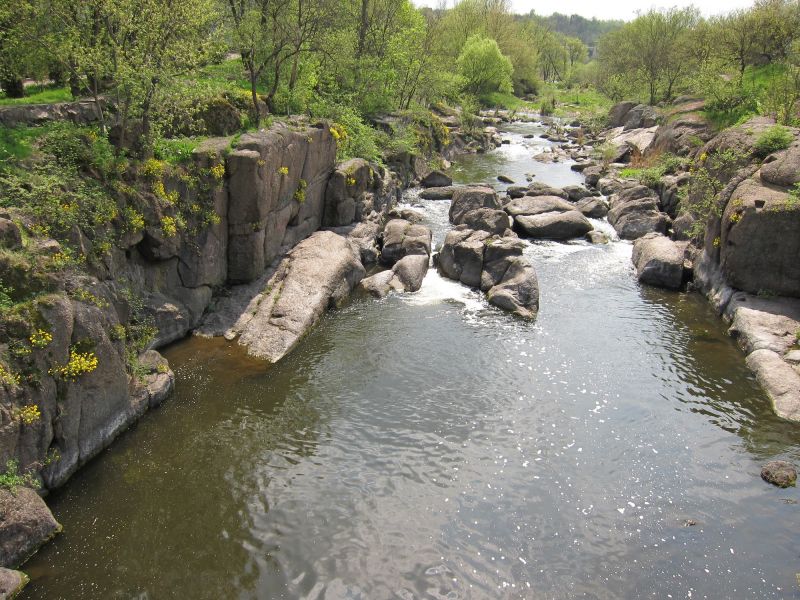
pixel 780 381
pixel 271 316
pixel 536 205
pixel 438 193
pixel 25 525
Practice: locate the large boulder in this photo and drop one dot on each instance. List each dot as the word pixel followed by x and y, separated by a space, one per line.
pixel 25 525
pixel 438 193
pixel 593 208
pixel 783 168
pixel 759 243
pixel 436 179
pixel 487 219
pixel 537 188
pixel 405 276
pixel 495 265
pixel 402 238
pixel 619 112
pixel 467 199
pixel 577 192
pixel 641 116
pixel 320 272
pixel 536 205
pixel 553 225
pixel 518 291
pixel 634 213
pixel 658 261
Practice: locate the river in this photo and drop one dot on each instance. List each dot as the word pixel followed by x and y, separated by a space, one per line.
pixel 430 446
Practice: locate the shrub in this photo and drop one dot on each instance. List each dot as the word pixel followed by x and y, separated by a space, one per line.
pixel 28 414
pixel 12 479
pixel 41 338
pixel 772 140
pixel 80 363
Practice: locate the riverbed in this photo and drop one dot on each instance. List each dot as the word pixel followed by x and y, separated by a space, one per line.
pixel 430 446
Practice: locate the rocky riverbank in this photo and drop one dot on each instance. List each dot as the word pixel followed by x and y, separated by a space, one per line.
pixel 717 212
pixel 253 240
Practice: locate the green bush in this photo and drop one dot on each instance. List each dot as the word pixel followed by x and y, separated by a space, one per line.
pixel 355 139
pixel 772 140
pixel 11 479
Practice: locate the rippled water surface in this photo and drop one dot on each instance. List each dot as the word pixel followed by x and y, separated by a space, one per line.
pixel 430 446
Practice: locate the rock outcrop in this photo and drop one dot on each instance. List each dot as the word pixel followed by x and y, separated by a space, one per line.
pixel 25 525
pixel 406 275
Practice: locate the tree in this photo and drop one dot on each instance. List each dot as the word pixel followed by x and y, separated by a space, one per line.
pixel 651 51
pixel 484 68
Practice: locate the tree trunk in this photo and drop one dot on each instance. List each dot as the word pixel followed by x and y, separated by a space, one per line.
pixel 362 29
pixel 254 97
pixel 293 76
pixel 13 87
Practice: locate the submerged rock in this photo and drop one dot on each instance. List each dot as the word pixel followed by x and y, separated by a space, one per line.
pixel 658 261
pixel 597 237
pixel 780 473
pixel 25 525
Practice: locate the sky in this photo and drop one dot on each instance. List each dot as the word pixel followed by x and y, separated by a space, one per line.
pixel 619 9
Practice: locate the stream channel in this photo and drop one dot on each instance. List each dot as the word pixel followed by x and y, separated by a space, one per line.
pixel 430 446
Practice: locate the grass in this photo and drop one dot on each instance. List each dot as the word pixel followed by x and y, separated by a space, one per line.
pixel 176 150
pixel 16 143
pixel 755 82
pixel 225 75
pixel 576 101
pixel 502 100
pixel 39 94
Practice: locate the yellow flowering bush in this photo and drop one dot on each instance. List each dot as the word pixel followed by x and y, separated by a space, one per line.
pixel 169 226
pixel 283 170
pixel 79 364
pixel 351 181
pixel 153 168
pixel 41 338
pixel 8 377
pixel 28 414
pixel 217 171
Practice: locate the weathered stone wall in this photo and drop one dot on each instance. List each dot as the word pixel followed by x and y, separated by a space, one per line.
pixel 83 112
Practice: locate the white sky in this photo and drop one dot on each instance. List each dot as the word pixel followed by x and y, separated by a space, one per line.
pixel 619 9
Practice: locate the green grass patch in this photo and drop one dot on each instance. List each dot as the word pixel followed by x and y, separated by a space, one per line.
pixel 177 150
pixel 226 75
pixel 39 94
pixel 503 100
pixel 772 140
pixel 16 143
pixel 577 101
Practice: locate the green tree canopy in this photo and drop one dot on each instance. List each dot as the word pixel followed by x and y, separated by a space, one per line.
pixel 484 68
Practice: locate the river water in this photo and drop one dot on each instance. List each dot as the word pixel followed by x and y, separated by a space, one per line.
pixel 431 446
